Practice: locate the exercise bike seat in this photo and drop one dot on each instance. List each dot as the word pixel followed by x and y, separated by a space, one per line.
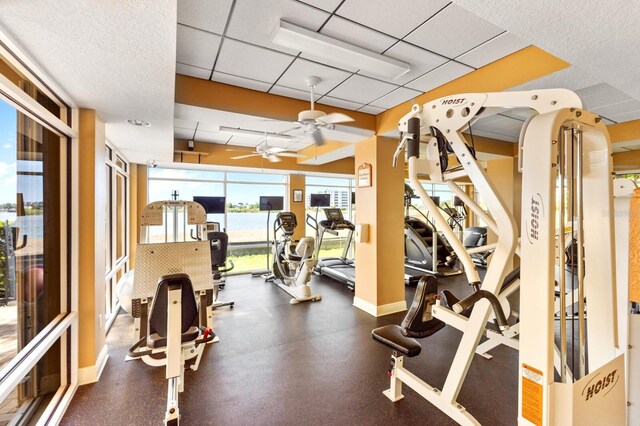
pixel 158 314
pixel 391 336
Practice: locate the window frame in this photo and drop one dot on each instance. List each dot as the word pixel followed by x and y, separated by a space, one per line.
pixel 65 325
pixel 122 263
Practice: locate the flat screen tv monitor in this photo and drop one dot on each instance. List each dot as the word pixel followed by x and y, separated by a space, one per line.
pixel 213 205
pixel 436 200
pixel 353 197
pixel 320 200
pixel 271 203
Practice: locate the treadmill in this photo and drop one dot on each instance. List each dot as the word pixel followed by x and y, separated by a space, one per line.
pixel 339 268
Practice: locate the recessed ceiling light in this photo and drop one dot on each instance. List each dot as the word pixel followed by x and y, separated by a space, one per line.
pixel 139 123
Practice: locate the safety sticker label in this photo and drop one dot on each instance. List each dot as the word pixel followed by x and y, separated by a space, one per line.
pixel 532 380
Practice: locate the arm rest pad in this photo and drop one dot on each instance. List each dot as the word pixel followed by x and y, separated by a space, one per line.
pixel 391 336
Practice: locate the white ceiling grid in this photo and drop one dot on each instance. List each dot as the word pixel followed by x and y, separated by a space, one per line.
pixel 404 31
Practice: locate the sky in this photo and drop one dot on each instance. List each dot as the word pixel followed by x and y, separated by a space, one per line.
pixel 7 153
pixel 29 186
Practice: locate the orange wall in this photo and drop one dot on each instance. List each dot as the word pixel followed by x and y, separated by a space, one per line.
pixel 92 216
pixel 297 182
pixel 380 261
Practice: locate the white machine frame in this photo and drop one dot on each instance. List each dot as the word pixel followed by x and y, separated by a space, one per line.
pixel 297 286
pixel 451 116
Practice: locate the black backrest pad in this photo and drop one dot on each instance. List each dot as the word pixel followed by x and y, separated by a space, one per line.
pixel 158 314
pixel 418 322
pixel 218 242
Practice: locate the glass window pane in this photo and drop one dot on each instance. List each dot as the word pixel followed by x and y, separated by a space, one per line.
pixel 121 163
pixel 255 177
pixel 30 230
pixel 27 400
pixel 107 222
pixel 121 216
pixel 185 174
pixel 247 225
pixel 160 190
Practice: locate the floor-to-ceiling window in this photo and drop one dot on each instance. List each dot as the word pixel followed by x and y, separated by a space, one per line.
pixel 117 225
pixel 242 220
pixel 455 215
pixel 340 191
pixel 36 315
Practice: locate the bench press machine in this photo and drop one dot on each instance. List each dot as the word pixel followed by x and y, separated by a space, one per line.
pixel 560 127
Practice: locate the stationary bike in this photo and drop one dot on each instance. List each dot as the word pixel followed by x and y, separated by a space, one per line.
pixel 293 263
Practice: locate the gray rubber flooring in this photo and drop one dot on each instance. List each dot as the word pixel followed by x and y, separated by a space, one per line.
pixel 312 363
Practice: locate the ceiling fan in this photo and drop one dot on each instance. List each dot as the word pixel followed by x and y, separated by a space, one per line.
pixel 269 153
pixel 312 120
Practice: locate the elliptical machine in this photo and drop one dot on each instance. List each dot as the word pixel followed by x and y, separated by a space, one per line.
pixel 293 263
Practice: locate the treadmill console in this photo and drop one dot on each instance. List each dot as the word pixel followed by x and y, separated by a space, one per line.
pixel 335 220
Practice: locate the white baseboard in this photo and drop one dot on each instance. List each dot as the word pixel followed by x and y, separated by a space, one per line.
pixel 92 374
pixel 382 310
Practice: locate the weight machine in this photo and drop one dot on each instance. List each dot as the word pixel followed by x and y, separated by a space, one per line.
pixel 172 296
pixel 560 127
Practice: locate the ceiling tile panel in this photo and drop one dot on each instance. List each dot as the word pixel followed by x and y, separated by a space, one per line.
pixel 395 18
pixel 244 140
pixel 197 48
pixel 396 97
pixel 234 80
pixel 246 60
pixel 453 31
pixel 372 110
pixel 572 78
pixel 340 103
pixel 600 95
pixel 361 89
pixel 290 93
pixel 254 21
pixel 296 74
pixel 627 116
pixel 420 60
pixel 441 75
pixel 614 110
pixel 328 5
pixel 358 35
pixel 192 71
pixel 496 48
pixel 204 14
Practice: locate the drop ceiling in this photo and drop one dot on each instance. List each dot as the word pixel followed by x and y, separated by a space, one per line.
pixel 229 42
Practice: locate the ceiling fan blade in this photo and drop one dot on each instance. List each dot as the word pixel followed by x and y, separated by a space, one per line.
pixel 244 156
pixel 273 158
pixel 291 154
pixel 335 117
pixel 317 137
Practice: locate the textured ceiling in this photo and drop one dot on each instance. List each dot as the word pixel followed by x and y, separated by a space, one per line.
pixel 115 57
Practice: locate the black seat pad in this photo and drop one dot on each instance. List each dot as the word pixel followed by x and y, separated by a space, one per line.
pixel 391 336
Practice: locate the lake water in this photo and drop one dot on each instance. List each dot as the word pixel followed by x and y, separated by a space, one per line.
pixel 29 225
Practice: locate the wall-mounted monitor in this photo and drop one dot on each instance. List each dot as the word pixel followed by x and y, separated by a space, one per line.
pixel 213 205
pixel 271 203
pixel 320 200
pixel 436 200
pixel 457 201
pixel 353 197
